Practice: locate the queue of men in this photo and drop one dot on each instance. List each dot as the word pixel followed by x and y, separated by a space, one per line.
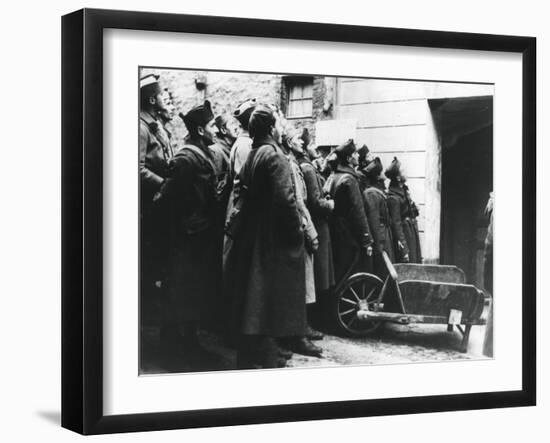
pixel 245 229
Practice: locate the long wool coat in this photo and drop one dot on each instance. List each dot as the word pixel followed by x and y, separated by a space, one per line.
pixel 264 267
pixel 378 217
pixel 320 210
pixel 403 215
pixel 194 275
pixel 350 231
pixel 309 227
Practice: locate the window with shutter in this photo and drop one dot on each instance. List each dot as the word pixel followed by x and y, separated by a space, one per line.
pixel 300 98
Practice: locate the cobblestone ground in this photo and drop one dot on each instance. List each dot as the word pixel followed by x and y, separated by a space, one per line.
pixel 392 344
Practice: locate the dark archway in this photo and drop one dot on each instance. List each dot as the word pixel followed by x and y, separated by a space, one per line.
pixel 465 127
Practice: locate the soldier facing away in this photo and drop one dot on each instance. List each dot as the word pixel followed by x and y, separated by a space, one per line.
pixel 264 270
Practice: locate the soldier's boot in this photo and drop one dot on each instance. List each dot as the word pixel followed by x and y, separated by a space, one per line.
pixel 193 351
pixel 313 334
pixel 257 352
pixel 270 354
pixel 302 345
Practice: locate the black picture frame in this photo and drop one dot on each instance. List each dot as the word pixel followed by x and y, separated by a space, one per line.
pixel 82 218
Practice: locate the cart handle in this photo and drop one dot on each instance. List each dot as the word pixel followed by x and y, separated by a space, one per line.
pixel 389 265
pixel 393 275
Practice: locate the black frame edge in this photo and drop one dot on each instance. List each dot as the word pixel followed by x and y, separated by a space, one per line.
pixel 252 27
pixel 72 401
pixel 93 226
pixel 529 219
pixel 309 411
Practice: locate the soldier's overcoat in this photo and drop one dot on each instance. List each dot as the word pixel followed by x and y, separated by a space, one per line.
pixel 403 215
pixel 194 276
pixel 350 231
pixel 320 211
pixel 264 268
pixel 155 152
pixel 378 216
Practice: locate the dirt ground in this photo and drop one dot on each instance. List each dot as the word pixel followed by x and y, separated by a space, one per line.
pixel 395 344
pixel 390 345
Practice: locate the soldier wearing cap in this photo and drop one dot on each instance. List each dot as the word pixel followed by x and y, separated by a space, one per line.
pixel 195 254
pixel 403 213
pixel 378 215
pixel 293 147
pixel 243 143
pixel 237 157
pixel 225 138
pixel 320 162
pixel 167 114
pixel 364 157
pixel 350 233
pixel 320 207
pixel 227 133
pixel 155 151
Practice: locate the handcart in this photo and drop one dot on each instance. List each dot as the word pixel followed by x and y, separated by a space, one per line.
pixel 411 293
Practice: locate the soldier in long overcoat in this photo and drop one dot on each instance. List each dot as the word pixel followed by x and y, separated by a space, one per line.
pixel 403 213
pixel 155 152
pixel 194 277
pixel 237 157
pixel 242 145
pixel 350 233
pixel 264 271
pixel 292 146
pixel 378 215
pixel 320 207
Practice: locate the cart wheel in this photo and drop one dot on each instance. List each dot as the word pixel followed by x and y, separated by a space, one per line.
pixel 360 291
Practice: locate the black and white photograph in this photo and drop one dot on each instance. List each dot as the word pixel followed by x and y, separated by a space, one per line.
pixel 275 222
pixel 299 220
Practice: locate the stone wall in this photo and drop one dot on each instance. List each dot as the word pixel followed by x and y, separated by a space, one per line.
pixel 226 90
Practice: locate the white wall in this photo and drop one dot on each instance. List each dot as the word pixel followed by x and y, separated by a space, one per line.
pixel 394 120
pixel 30 222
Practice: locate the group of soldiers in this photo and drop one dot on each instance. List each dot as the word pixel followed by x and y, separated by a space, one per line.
pixel 245 229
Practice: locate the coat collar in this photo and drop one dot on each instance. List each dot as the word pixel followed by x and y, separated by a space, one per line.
pixel 268 140
pixel 347 169
pixel 199 144
pixel 378 191
pixel 224 144
pixel 304 159
pixel 148 118
pixel 393 189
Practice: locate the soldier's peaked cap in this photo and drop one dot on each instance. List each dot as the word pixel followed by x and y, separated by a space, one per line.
pixel 198 116
pixel 245 108
pixel 346 148
pixel 374 168
pixel 149 84
pixel 394 169
pixel 363 151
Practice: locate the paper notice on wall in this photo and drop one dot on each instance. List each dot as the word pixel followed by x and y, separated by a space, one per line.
pixel 334 132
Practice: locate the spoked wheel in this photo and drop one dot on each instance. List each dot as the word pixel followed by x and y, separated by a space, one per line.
pixel 360 291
